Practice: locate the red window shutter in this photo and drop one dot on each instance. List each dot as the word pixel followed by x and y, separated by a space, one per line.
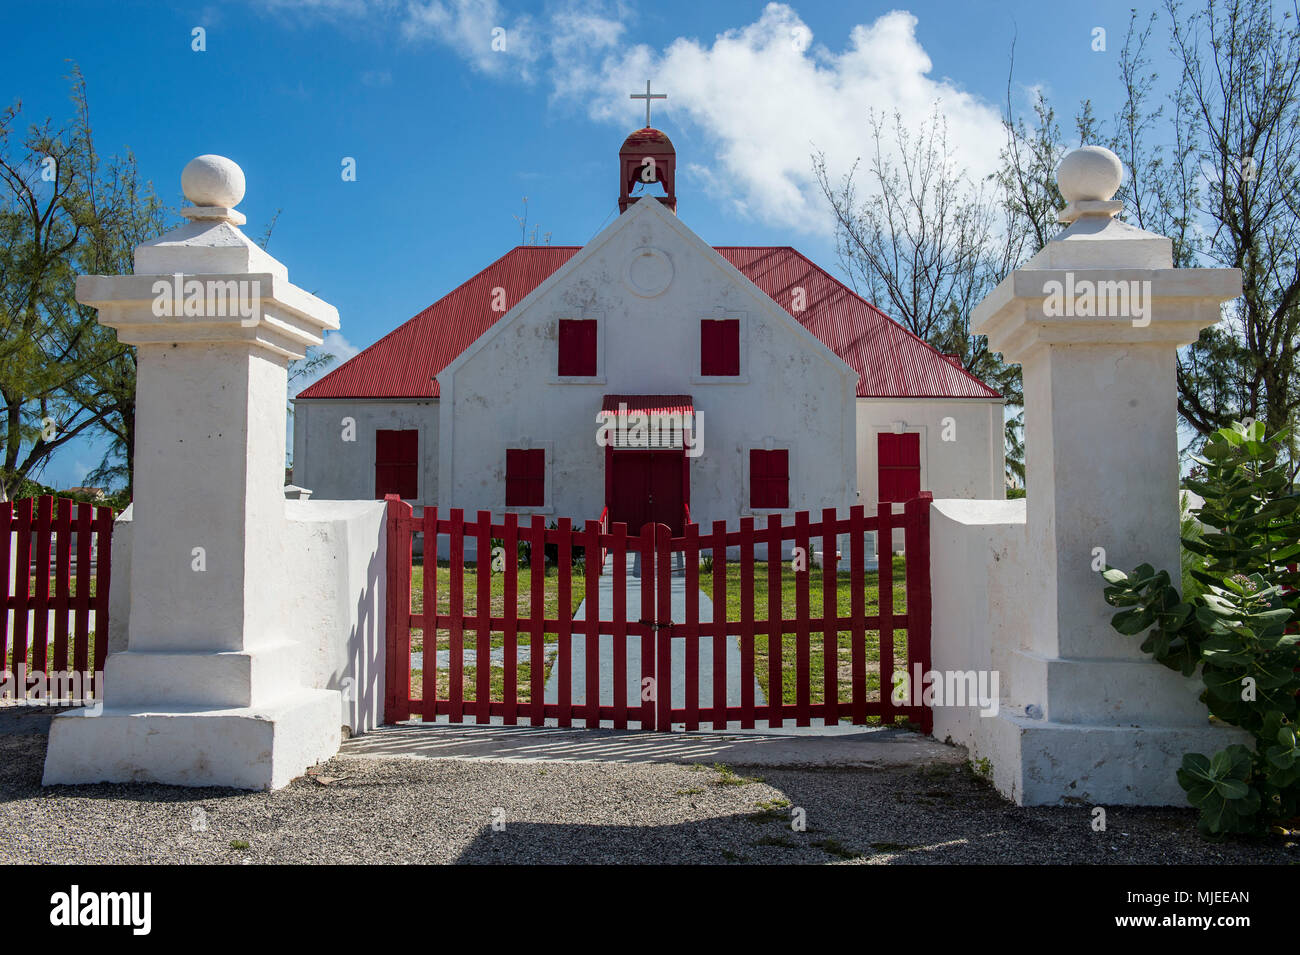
pixel 731 347
pixel 898 466
pixel 525 477
pixel 769 478
pixel 397 463
pixel 577 346
pixel 720 346
pixel 909 472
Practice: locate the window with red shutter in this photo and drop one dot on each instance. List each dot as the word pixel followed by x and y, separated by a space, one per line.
pixel 525 477
pixel 769 478
pixel 397 463
pixel 577 347
pixel 899 466
pixel 720 346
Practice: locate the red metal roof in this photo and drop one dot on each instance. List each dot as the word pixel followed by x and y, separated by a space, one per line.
pixel 891 362
pixel 647 404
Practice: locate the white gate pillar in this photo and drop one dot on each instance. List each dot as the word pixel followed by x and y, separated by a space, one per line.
pixel 1095 320
pixel 209 690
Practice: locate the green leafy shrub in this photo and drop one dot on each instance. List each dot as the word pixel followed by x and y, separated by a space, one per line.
pixel 1238 626
pixel 1189 528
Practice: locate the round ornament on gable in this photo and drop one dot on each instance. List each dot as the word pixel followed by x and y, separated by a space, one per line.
pixel 649 272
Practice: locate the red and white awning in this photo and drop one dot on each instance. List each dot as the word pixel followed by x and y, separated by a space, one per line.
pixel 646 422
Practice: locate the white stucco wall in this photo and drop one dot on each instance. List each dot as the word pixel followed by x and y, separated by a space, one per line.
pixel 979 587
pixel 119 583
pixel 972 465
pixel 338 603
pixel 503 392
pixel 339 470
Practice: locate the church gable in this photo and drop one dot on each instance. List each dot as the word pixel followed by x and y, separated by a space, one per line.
pixel 889 360
pixel 646 315
pixel 654 290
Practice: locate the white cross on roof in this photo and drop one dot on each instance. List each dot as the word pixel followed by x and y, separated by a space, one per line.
pixel 648 96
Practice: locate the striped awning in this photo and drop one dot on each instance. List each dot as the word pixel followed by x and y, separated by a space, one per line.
pixel 647 421
pixel 647 404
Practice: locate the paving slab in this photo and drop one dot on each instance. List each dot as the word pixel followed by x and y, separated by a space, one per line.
pixel 840 746
pixel 677 686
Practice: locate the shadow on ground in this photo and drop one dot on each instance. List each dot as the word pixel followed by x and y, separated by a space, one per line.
pixel 468 809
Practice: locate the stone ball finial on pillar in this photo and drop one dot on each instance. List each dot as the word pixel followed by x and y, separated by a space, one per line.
pixel 215 185
pixel 1088 178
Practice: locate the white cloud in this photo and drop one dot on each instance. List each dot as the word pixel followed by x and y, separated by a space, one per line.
pixel 333 344
pixel 338 346
pixel 480 30
pixel 745 110
pixel 326 9
pixel 763 96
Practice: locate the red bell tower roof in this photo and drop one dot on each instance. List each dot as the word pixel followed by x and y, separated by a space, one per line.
pixel 648 141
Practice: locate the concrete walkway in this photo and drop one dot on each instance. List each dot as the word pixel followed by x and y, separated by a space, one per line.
pixel 678 673
pixel 840 746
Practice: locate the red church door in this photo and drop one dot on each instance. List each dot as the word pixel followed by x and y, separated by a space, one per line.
pixel 647 487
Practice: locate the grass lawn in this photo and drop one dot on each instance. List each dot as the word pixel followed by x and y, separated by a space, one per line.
pixel 524 608
pixel 817 662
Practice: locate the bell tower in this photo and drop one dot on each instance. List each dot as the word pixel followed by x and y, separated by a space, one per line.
pixel 647 157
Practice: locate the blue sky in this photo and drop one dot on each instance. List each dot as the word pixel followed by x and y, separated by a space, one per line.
pixel 449 135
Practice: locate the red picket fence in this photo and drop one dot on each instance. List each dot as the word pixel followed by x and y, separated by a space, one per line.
pixel 649 630
pixel 40 545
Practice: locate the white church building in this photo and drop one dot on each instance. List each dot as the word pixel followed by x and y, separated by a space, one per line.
pixel 652 375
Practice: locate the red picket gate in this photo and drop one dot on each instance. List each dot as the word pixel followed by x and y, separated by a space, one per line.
pixel 648 631
pixel 40 544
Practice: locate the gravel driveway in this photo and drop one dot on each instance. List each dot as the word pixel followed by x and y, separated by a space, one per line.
pixel 380 808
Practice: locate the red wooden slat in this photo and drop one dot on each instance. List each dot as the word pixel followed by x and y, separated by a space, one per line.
pixel 483 620
pixel 885 588
pixel 397 695
pixel 6 581
pixel 103 575
pixel 536 625
pixel 691 627
pixel 22 578
pixel 649 636
pixel 564 618
pixel 803 652
pixel 663 658
pixel 391 612
pixel 456 621
pixel 41 597
pixel 591 564
pixel 619 628
pixel 510 640
pixel 857 611
pixel 775 633
pixel 917 550
pixel 747 623
pixel 429 681
pixel 81 620
pixel 830 627
pixel 720 637
pixel 62 580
